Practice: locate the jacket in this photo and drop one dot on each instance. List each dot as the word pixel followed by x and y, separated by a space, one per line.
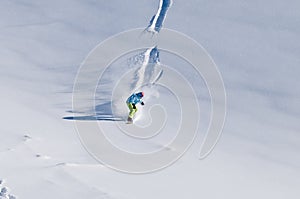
pixel 135 98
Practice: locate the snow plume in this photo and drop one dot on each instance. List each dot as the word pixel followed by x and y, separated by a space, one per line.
pixel 127 75
pixel 4 193
pixel 157 20
pixel 149 71
pixel 146 71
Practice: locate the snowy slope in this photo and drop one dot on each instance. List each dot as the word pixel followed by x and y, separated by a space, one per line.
pixel 255 45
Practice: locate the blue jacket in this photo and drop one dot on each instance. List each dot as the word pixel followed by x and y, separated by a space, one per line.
pixel 135 98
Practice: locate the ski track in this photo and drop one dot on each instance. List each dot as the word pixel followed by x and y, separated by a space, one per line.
pixel 158 19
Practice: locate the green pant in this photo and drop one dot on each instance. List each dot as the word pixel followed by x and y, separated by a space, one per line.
pixel 132 110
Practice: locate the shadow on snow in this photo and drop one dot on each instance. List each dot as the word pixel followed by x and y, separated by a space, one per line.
pixel 102 112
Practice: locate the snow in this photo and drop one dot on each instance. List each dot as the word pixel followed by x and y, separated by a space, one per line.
pixel 157 20
pixel 255 45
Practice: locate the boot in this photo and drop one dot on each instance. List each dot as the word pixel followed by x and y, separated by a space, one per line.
pixel 129 120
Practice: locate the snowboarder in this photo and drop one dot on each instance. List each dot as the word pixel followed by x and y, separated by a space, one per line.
pixel 131 102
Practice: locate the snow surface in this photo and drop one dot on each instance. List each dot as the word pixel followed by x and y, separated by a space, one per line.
pixel 256 46
pixel 157 20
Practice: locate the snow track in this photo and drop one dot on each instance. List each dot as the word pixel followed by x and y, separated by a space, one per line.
pixel 158 19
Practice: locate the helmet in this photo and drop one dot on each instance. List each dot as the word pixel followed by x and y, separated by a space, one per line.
pixel 141 94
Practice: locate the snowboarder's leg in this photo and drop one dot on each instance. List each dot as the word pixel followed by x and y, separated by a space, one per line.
pixel 132 109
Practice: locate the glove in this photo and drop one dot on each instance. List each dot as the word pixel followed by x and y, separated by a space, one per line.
pixel 133 105
pixel 142 103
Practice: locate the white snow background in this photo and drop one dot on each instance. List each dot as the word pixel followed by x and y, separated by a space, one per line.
pixel 256 46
